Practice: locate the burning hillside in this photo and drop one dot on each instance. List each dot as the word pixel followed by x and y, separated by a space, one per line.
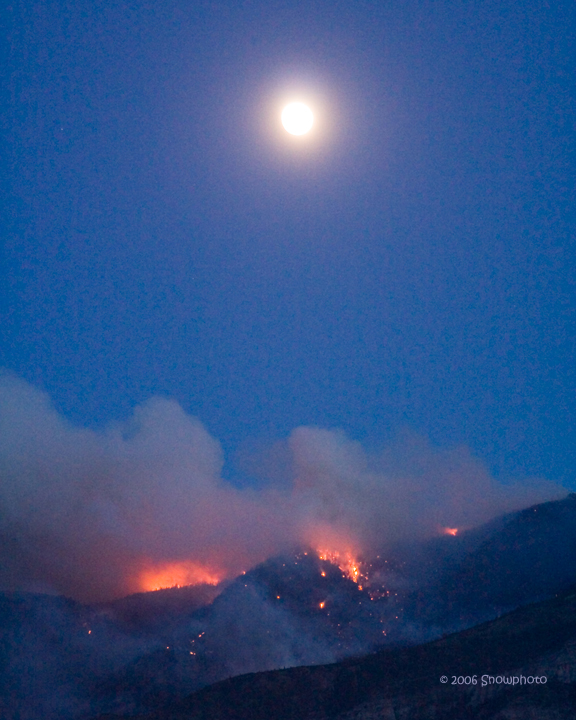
pixel 178 574
pixel 299 608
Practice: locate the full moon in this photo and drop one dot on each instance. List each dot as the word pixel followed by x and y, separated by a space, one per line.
pixel 297 118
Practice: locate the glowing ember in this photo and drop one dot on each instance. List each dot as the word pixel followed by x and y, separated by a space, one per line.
pixel 177 574
pixel 450 531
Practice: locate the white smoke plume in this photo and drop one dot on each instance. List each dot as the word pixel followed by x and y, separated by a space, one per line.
pixel 98 514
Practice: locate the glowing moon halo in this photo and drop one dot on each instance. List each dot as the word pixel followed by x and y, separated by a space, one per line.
pixel 297 118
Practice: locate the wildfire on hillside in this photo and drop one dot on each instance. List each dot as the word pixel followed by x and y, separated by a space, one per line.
pixel 371 576
pixel 177 574
pixel 345 561
pixel 367 575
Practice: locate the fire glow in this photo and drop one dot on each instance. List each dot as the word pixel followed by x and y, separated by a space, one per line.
pixel 177 574
pixel 345 561
pixel 449 531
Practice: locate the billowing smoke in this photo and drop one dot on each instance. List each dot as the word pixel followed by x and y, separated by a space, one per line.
pixel 142 504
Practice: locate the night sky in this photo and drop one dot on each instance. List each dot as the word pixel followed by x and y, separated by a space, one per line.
pixel 407 267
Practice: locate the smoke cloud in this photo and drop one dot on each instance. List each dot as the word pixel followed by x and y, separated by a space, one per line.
pixel 100 514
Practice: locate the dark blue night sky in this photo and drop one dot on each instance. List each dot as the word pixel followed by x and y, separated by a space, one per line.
pixel 412 267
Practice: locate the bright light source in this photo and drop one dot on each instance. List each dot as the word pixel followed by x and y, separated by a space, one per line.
pixel 297 118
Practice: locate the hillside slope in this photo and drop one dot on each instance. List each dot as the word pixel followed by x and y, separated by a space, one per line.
pixel 537 640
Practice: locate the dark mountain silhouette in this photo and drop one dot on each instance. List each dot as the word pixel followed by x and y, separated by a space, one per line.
pixel 502 657
pixel 60 659
pixel 523 558
pixel 150 612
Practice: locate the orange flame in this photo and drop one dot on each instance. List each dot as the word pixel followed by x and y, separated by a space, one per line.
pixel 450 531
pixel 177 574
pixel 345 561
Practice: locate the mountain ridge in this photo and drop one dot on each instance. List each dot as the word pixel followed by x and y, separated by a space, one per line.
pixel 536 640
pixel 61 660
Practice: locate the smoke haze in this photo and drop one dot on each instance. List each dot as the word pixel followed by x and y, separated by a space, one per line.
pixel 94 514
